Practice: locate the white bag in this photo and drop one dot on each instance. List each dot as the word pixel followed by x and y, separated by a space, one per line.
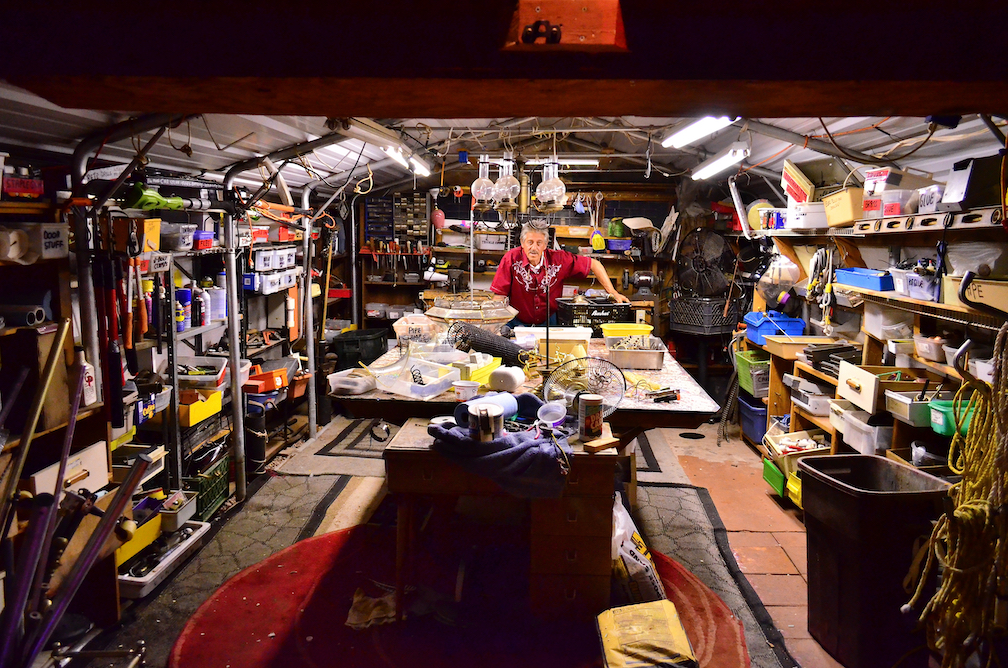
pixel 633 568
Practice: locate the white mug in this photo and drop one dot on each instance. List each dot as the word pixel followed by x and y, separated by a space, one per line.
pixel 486 421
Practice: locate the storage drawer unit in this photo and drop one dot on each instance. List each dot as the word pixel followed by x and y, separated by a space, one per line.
pixel 86 469
pixel 573 516
pixel 865 389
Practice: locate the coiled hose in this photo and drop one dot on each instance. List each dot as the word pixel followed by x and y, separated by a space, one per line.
pixel 970 540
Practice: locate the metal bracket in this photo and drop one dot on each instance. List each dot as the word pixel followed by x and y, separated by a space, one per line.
pixel 545 29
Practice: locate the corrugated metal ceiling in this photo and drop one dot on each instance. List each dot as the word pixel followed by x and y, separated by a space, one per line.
pixel 626 144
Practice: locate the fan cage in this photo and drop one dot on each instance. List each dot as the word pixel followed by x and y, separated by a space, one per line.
pixel 702 315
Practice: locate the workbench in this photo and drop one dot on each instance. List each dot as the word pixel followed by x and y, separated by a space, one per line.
pixel 634 415
pixel 570 536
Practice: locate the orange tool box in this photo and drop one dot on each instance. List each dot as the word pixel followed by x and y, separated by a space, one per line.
pixel 265 381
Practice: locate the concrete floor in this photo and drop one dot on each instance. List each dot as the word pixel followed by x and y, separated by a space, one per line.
pixel 765 532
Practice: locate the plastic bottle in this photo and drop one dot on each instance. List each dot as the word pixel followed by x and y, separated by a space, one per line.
pixel 90 395
pixel 221 280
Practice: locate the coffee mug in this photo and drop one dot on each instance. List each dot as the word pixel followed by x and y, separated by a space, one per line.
pixel 486 422
pixel 465 389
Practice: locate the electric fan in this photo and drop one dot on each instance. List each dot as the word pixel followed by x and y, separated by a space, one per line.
pixel 586 375
pixel 705 263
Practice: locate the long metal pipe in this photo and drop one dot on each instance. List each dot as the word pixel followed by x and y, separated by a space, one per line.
pixel 992 126
pixel 354 286
pixel 804 141
pixel 231 278
pixel 78 168
pixel 88 556
pixel 309 320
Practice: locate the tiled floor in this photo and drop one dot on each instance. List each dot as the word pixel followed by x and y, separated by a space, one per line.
pixel 766 535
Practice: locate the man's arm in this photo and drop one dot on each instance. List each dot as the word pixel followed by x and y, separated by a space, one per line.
pixel 603 278
pixel 501 283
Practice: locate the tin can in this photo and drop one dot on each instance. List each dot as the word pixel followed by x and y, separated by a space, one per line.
pixel 589 416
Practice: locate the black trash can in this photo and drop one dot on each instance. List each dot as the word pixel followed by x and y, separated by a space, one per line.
pixel 863 516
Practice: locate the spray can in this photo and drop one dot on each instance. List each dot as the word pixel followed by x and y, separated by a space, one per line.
pixel 180 319
pixel 589 416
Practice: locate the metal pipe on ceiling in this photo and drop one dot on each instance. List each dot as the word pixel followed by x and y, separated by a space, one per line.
pixel 804 141
pixel 78 167
pixel 995 130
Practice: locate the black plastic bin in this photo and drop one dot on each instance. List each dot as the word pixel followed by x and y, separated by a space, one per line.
pixel 359 345
pixel 863 515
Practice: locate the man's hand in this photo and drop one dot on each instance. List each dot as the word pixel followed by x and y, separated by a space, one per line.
pixel 620 298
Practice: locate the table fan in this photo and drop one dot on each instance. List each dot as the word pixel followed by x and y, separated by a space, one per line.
pixel 586 375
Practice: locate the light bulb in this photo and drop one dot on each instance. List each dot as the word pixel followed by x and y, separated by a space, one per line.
pixel 507 188
pixel 482 188
pixel 552 192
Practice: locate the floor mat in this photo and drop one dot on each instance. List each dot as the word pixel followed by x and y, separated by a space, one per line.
pixel 488 625
pixel 343 447
pixel 681 522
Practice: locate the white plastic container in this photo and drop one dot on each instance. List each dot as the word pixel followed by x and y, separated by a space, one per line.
pixel 895 201
pixel 210 381
pixel 899 280
pixel 863 437
pixel 375 309
pixel 49 240
pixel 815 404
pixel 177 236
pixel 130 587
pixel 494 242
pixel 398 378
pixel 930 349
pixel 263 260
pixel 901 346
pixel 837 409
pixel 884 323
pixel 806 216
pixel 983 369
pixel 925 288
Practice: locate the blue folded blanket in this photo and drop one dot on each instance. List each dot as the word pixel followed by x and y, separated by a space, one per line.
pixel 528 464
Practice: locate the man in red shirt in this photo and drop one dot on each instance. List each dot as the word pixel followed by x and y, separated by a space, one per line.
pixel 524 273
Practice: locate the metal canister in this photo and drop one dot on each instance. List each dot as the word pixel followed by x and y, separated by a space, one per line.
pixel 589 416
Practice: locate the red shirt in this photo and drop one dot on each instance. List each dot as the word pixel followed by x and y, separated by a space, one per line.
pixel 526 288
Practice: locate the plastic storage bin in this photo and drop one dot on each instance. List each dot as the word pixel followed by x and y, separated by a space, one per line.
pixel 943 417
pixel 203 240
pixel 652 358
pixel 862 517
pixel 760 324
pixel 794 489
pixel 925 288
pixel 753 416
pixel 753 372
pixel 773 476
pixel 358 345
pixel 786 460
pixel 625 329
pixel 863 437
pixel 211 488
pixel 870 279
pixel 594 314
pixel 886 323
pixel 837 409
pixel 906 407
pixel 177 236
pixel 930 349
pixel 401 378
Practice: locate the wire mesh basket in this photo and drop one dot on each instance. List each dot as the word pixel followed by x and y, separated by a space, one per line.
pixel 702 315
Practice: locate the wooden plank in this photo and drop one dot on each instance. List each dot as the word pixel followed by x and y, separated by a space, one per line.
pixel 592 27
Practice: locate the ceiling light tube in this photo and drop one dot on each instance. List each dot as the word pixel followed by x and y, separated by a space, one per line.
pixel 697 130
pixel 420 167
pixel 396 154
pixel 732 155
pixel 588 162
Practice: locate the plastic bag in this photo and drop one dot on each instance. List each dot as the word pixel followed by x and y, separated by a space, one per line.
pixel 634 571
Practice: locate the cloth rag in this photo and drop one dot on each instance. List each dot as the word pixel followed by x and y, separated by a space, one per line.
pixel 368 611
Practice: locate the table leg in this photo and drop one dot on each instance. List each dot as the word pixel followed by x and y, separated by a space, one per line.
pixel 404 527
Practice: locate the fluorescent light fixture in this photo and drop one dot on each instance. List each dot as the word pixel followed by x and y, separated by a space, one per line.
pixel 706 126
pixel 396 154
pixel 732 155
pixel 420 168
pixel 370 132
pixel 589 162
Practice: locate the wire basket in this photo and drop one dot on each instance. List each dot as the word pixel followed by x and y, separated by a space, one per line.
pixel 594 314
pixel 702 315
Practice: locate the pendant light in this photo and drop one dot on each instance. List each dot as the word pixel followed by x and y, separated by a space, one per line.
pixel 551 193
pixel 482 188
pixel 507 188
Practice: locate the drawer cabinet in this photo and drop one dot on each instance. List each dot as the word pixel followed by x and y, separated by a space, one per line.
pixel 862 385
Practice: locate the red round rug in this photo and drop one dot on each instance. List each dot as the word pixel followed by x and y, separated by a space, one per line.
pixel 289 610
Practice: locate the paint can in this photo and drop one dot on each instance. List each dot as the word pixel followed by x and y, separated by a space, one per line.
pixel 589 416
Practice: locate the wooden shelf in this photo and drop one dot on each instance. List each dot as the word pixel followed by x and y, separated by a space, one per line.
pixel 950 312
pixel 25 208
pixel 818 420
pixel 83 414
pixel 402 284
pixel 938 367
pixel 451 250
pixel 825 377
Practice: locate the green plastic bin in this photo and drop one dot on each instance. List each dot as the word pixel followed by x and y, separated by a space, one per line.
pixel 753 372
pixel 943 417
pixel 774 477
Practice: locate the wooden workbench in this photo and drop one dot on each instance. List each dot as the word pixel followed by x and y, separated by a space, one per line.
pixel 635 413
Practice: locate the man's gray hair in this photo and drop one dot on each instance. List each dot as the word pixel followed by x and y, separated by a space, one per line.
pixel 539 226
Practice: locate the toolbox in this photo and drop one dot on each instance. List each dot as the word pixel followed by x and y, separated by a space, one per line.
pixel 869 279
pixel 760 324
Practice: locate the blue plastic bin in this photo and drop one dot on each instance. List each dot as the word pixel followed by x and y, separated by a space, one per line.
pixel 753 416
pixel 870 279
pixel 760 325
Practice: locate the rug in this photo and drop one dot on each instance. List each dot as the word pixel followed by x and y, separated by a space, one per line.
pixel 343 447
pixel 307 590
pixel 680 520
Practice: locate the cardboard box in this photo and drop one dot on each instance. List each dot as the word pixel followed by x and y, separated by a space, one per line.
pixel 843 207
pixel 49 240
pixel 137 235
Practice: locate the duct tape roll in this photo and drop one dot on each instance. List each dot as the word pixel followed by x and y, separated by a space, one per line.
pixel 16 315
pixel 13 244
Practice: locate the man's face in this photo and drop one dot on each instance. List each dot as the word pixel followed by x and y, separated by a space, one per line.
pixel 534 244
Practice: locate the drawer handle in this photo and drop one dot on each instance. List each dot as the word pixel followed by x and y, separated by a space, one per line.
pixel 572 516
pixel 571 555
pixel 572 479
pixel 76 478
pixel 853 384
pixel 427 475
pixel 570 594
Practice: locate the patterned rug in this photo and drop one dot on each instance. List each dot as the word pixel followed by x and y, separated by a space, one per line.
pixel 680 520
